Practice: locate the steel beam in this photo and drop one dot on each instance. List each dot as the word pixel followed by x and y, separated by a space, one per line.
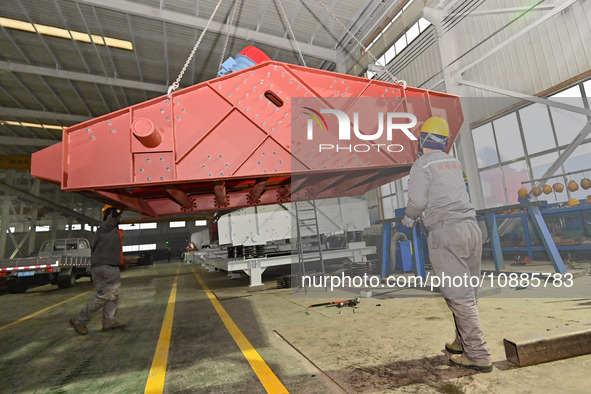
pixel 67 212
pixel 83 77
pixel 535 99
pixel 20 141
pixel 549 345
pixel 30 113
pixel 195 22
pixel 558 9
pixel 565 154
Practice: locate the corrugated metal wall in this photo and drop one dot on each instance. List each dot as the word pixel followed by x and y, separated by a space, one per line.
pixel 553 52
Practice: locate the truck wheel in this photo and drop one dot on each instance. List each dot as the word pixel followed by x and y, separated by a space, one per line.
pixel 17 286
pixel 66 281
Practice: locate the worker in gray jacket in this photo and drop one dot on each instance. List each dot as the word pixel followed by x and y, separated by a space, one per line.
pixel 104 268
pixel 437 195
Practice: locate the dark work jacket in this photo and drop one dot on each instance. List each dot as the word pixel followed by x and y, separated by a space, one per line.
pixel 106 249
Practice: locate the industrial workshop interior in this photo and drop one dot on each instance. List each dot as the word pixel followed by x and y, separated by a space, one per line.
pixel 303 196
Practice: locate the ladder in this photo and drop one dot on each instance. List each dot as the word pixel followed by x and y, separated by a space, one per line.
pixel 309 243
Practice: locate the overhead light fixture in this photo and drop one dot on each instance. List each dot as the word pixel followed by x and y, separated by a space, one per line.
pixel 64 33
pixel 36 125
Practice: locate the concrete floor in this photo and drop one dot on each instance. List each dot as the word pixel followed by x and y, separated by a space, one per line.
pixel 392 343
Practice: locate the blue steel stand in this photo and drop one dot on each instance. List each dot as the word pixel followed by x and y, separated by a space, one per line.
pixel 527 237
pixel 534 213
pixel 495 241
pixel 386 250
pixel 418 252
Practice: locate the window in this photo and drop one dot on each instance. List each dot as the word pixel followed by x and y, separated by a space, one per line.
pixel 41 229
pixel 567 124
pixel 514 174
pixel 199 223
pixel 493 188
pixel 580 159
pixel 508 137
pixel 423 24
pixel 537 128
pixel 540 127
pixel 138 226
pixel 412 32
pixel 400 44
pixel 176 224
pixel 485 146
pixel 137 248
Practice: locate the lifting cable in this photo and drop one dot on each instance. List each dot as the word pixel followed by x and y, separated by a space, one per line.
pixel 175 84
pixel 228 36
pixel 394 79
pixel 291 33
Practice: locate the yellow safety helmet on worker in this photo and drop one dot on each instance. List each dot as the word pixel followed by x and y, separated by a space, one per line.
pixel 434 133
pixel 107 209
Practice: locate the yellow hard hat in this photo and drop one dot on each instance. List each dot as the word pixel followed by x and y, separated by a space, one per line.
pixel 585 183
pixel 522 192
pixel 572 202
pixel 588 199
pixel 547 189
pixel 572 186
pixel 558 187
pixel 107 206
pixel 536 191
pixel 436 125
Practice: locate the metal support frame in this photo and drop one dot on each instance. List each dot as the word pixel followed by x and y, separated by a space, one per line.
pixel 527 237
pixel 527 97
pixel 419 258
pixel 495 241
pixel 558 9
pixel 534 213
pixel 255 267
pixel 387 235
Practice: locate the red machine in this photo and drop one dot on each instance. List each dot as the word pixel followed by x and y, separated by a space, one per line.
pixel 240 140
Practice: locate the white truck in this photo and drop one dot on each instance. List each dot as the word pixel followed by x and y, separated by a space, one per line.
pixel 59 262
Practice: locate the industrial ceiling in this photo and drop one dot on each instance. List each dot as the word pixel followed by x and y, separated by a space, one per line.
pixel 55 80
pixel 66 61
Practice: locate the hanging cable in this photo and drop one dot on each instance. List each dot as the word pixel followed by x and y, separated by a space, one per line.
pixel 394 79
pixel 175 84
pixel 291 33
pixel 228 35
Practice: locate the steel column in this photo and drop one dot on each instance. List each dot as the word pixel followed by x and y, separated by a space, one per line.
pixel 536 216
pixel 495 241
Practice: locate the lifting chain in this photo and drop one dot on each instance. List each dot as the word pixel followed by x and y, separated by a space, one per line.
pixel 175 84
pixel 291 33
pixel 394 79
pixel 236 4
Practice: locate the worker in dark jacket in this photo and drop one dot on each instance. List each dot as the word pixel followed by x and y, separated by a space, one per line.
pixel 437 194
pixel 104 268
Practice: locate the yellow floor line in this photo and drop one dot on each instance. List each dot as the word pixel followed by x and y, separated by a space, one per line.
pixel 22 319
pixel 260 367
pixel 155 383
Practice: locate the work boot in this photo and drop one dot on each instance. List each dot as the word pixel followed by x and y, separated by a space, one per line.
pixel 454 347
pixel 113 326
pixel 460 360
pixel 79 328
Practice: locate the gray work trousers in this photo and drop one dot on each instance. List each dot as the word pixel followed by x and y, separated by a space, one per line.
pixel 455 252
pixel 107 280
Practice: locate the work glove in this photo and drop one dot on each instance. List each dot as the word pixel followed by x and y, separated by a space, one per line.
pixel 408 222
